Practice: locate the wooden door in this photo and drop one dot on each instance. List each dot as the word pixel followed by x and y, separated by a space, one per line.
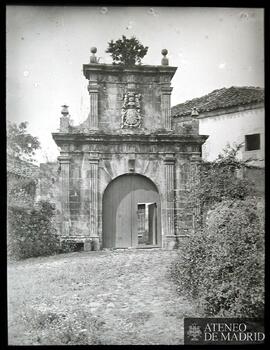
pixel 120 210
pixel 152 223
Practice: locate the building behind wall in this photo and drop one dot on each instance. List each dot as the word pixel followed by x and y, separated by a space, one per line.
pixel 230 116
pixel 124 171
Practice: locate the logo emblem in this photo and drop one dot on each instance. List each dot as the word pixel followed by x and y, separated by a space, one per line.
pixel 194 332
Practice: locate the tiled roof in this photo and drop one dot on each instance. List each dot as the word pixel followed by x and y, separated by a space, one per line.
pixel 220 99
pixel 21 168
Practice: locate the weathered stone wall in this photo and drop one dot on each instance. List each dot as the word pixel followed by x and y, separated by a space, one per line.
pixel 186 125
pixel 257 176
pixel 111 101
pixel 109 83
pixel 49 188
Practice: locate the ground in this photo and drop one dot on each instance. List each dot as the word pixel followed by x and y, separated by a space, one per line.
pixel 107 297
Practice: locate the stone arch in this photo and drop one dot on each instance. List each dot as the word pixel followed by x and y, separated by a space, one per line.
pixel 131 212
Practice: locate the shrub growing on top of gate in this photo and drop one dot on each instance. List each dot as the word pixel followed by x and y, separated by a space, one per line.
pixel 31 232
pixel 126 51
pixel 222 266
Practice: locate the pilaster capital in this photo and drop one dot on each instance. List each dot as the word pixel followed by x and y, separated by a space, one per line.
pixel 166 90
pixel 196 158
pixel 169 159
pixel 93 157
pixel 64 159
pixel 92 88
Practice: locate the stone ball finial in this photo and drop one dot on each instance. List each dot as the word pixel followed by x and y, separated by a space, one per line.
pixel 93 58
pixel 164 61
pixel 164 52
pixel 64 111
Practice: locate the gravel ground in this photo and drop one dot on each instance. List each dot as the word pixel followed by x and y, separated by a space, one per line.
pixel 107 297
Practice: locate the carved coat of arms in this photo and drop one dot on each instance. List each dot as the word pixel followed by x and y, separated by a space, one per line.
pixel 131 111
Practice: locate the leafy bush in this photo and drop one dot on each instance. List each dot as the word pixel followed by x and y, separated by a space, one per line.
pixel 31 232
pixel 127 51
pixel 218 181
pixel 222 266
pixel 21 191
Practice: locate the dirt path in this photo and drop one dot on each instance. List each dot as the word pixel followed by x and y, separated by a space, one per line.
pixel 119 297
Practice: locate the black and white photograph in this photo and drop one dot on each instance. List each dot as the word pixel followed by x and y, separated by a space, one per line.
pixel 135 175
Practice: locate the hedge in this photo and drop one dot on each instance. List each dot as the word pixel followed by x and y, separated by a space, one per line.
pixel 32 232
pixel 221 267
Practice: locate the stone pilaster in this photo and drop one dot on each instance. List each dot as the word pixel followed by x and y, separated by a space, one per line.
pixel 169 229
pixel 64 180
pixel 93 94
pixel 93 197
pixel 194 180
pixel 166 106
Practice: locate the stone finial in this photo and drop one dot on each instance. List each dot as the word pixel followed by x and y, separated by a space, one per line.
pixel 194 112
pixel 64 120
pixel 164 61
pixel 93 58
pixel 65 111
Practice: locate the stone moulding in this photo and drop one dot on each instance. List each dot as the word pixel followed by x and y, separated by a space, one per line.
pixel 61 138
pixel 101 69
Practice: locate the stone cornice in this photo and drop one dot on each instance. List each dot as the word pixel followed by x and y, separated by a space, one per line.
pixel 103 138
pixel 120 69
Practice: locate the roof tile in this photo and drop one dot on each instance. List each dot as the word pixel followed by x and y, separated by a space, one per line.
pixel 221 98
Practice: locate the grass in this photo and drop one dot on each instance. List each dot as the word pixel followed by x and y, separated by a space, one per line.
pixel 107 297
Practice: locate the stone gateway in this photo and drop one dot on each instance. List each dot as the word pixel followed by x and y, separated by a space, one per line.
pixel 124 171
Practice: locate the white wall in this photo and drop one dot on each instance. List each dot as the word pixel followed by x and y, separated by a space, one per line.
pixel 231 128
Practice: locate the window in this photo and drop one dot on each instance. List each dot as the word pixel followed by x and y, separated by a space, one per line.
pixel 252 142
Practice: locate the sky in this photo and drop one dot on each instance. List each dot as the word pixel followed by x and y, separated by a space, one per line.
pixel 47 45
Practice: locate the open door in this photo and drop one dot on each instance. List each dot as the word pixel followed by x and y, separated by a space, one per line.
pixel 147 223
pixel 152 223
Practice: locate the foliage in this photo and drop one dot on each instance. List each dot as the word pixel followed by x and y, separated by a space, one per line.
pixel 21 144
pixel 222 266
pixel 218 181
pixel 126 51
pixel 31 232
pixel 21 191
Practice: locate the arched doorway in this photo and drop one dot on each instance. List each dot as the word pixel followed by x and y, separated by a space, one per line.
pixel 131 213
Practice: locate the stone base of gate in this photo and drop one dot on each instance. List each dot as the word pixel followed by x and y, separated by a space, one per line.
pixel 171 242
pixel 91 244
pixel 88 243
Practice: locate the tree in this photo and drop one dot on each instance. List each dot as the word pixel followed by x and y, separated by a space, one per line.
pixel 21 144
pixel 127 52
